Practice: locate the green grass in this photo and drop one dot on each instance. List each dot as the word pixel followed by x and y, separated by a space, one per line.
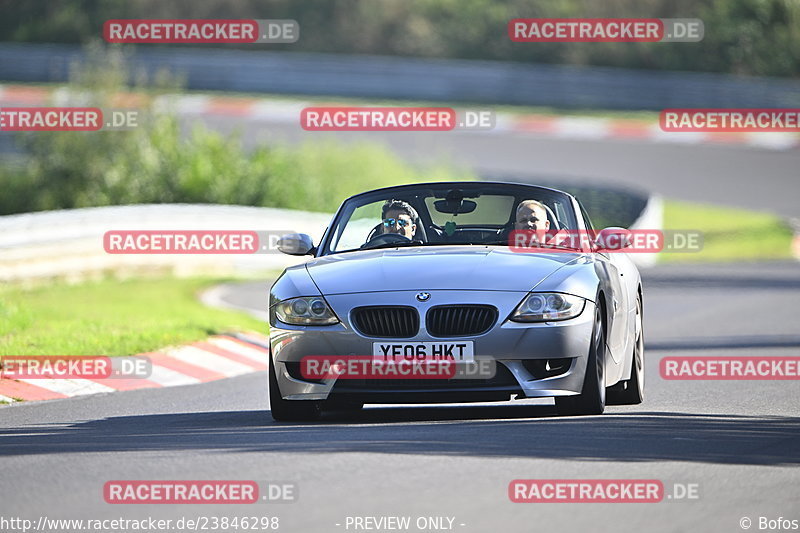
pixel 111 317
pixel 730 234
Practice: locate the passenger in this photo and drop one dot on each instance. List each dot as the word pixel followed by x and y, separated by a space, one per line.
pixel 530 215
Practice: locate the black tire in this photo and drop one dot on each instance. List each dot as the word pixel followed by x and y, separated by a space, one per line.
pixel 631 391
pixel 290 410
pixel 592 399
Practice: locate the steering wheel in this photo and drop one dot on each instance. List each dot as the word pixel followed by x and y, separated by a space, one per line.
pixel 385 238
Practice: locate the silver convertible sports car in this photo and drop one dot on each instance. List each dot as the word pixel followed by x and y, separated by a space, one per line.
pixel 447 272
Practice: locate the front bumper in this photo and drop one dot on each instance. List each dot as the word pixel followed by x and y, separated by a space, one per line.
pixel 512 345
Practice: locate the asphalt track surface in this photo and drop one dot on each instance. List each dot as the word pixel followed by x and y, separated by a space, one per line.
pixel 737 441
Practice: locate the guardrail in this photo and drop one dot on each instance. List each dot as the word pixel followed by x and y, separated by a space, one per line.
pixel 68 244
pixel 448 80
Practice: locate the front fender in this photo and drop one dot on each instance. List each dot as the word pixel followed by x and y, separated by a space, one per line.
pixel 293 282
pixel 593 278
pixel 580 277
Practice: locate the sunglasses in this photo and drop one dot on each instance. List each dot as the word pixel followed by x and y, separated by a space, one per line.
pixel 389 222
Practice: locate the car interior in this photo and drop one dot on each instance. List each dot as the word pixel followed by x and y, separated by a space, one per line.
pixel 428 231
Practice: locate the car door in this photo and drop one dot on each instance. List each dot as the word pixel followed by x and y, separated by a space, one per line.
pixel 612 268
pixel 614 272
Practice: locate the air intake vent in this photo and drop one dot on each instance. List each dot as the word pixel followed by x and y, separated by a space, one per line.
pixel 386 322
pixel 460 320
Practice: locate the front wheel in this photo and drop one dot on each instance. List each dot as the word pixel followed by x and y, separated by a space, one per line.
pixel 592 399
pixel 289 410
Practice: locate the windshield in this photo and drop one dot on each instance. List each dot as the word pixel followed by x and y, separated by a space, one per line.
pixel 446 214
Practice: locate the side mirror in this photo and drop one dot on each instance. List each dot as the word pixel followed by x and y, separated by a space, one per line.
pixel 613 238
pixel 296 244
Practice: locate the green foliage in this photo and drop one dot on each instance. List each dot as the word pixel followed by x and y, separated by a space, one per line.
pixel 729 234
pixel 753 37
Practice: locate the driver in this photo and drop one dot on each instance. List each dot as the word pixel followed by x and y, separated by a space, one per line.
pixel 398 217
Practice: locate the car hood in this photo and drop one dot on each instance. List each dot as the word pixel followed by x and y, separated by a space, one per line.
pixel 432 268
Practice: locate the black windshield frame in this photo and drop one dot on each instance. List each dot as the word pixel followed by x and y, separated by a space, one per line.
pixel 415 194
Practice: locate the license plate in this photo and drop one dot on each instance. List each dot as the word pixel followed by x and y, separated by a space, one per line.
pixel 461 352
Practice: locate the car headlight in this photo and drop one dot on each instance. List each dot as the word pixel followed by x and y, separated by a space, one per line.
pixel 306 311
pixel 548 306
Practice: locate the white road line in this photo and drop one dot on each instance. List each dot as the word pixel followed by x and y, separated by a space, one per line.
pixel 280 112
pixel 255 354
pixel 582 128
pixel 772 139
pixel 679 137
pixel 69 387
pixel 192 104
pixel 210 361
pixel 166 377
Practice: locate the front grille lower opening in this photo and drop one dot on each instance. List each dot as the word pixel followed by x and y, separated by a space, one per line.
pixel 547 368
pixel 293 368
pixel 503 379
